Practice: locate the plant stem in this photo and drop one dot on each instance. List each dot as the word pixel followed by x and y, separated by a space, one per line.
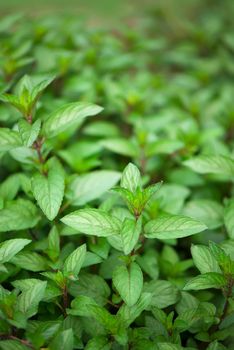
pixel 12 337
pixel 65 300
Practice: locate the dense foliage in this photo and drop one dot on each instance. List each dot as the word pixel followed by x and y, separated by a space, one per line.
pixel 116 208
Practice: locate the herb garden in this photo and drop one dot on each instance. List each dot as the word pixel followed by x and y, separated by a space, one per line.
pixel 116 191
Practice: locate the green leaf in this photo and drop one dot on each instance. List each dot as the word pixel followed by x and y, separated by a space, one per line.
pixel 71 114
pixel 79 306
pixel 40 87
pixel 93 222
pixel 98 343
pixel 173 226
pixel 64 340
pixel 130 233
pixel 128 314
pixel 49 189
pixel 9 139
pixel 74 262
pixel 29 132
pixel 30 261
pixel 203 259
pixel 10 187
pixel 219 165
pixel 12 345
pixel 90 186
pixel 129 282
pixel 207 211
pixel 29 299
pixel 53 244
pixel 205 281
pixel 131 178
pixel 18 215
pixel 108 321
pixel 93 286
pixel 11 247
pixel 229 218
pixel 120 146
pixel 164 293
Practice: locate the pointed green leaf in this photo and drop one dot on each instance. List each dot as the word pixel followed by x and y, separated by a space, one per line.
pixel 9 139
pixel 229 218
pixel 18 215
pixel 74 262
pixel 173 226
pixel 11 247
pixel 205 281
pixel 129 282
pixel 90 186
pixel 131 178
pixel 130 233
pixel 93 222
pixel 49 189
pixel 203 259
pixel 64 340
pixel 71 114
pixel 29 299
pixel 29 132
pixel 53 243
pixel 219 165
pixel 164 293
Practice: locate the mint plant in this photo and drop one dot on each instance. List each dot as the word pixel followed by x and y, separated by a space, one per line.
pixel 116 191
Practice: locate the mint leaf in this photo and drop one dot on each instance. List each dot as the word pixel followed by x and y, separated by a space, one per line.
pixel 93 222
pixel 131 178
pixel 129 282
pixel 49 189
pixel 173 226
pixel 205 281
pixel 71 114
pixel 73 263
pixel 11 247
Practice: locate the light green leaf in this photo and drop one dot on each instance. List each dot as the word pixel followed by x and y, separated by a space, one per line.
pixel 130 233
pixel 71 114
pixel 90 285
pixel 164 293
pixel 164 146
pixel 205 281
pixel 79 306
pixel 207 211
pixel 9 139
pixel 53 243
pixel 204 259
pixel 29 132
pixel 131 178
pixel 229 218
pixel 173 226
pixel 11 247
pixel 219 165
pixel 74 262
pixel 93 222
pixel 120 146
pixel 40 87
pixel 129 282
pixel 110 322
pixel 30 261
pixel 90 186
pixel 129 314
pixel 98 343
pixel 18 215
pixel 12 345
pixel 10 187
pixel 49 189
pixel 29 299
pixel 64 340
